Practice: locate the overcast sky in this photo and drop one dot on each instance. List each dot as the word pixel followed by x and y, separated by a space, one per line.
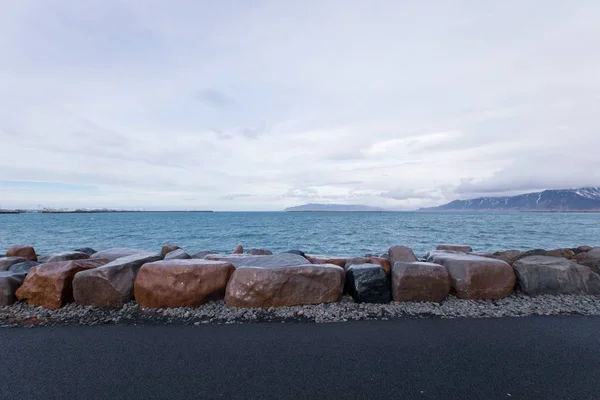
pixel 259 105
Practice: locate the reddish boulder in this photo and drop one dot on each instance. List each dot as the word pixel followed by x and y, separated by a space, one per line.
pixel 238 250
pixel 420 281
pixel 322 259
pixel 590 259
pixel 181 283
pixel 475 277
pixel 26 252
pixel 401 253
pixel 167 248
pixel 564 253
pixel 508 256
pixel 50 285
pixel 583 249
pixel 461 248
pixel 288 286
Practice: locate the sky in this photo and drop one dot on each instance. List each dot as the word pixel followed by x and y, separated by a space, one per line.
pixel 261 105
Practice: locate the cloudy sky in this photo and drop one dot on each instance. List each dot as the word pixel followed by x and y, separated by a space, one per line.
pixel 259 105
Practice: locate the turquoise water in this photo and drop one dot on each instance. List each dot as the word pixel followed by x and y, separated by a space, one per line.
pixel 330 232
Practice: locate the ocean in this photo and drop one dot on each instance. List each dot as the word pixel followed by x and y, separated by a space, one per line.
pixel 334 233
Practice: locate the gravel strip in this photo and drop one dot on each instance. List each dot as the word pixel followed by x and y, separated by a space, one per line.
pixel 517 305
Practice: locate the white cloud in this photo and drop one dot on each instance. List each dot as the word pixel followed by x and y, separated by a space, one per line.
pixel 267 104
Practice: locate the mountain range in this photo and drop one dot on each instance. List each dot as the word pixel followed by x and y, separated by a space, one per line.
pixel 580 199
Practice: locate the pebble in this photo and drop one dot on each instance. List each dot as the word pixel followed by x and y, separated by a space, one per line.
pixel 517 305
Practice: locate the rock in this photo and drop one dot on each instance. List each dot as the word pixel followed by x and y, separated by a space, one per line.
pixel 385 255
pixel 50 285
pixel 461 248
pixel 24 266
pixel 202 254
pixel 117 252
pixel 590 259
pixel 64 256
pixel 401 253
pixel 112 284
pixel 26 252
pixel 564 253
pixel 246 260
pixel 289 286
pixel 355 261
pixel 528 253
pixel 368 283
pixel 554 275
pixel 383 263
pixel 297 252
pixel 238 250
pixel 7 262
pixel 260 252
pixel 322 259
pixel 181 283
pixel 507 256
pixel 474 277
pixel 420 281
pixel 9 283
pixel 87 250
pixel 167 248
pixel 583 249
pixel 178 254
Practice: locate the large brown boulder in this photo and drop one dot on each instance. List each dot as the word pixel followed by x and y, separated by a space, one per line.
pixel 50 285
pixel 63 256
pixel 167 248
pixel 7 262
pixel 383 263
pixel 26 252
pixel 475 277
pixel 289 286
pixel 461 248
pixel 554 275
pixel 401 253
pixel 247 260
pixel 324 259
pixel 112 284
pixel 181 283
pixel 590 259
pixel 508 256
pixel 420 281
pixel 9 283
pixel 564 253
pixel 117 252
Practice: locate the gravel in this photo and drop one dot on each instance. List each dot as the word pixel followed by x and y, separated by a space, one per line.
pixel 517 305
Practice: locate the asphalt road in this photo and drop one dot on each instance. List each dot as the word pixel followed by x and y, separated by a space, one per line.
pixel 518 358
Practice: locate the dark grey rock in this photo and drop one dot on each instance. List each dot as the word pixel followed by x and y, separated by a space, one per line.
pixel 368 283
pixel 297 252
pixel 87 250
pixel 7 262
pixel 24 266
pixel 529 253
pixel 9 283
pixel 554 275
pixel 202 254
pixel 273 261
pixel 401 253
pixel 63 256
pixel 178 254
pixel 260 252
pixel 117 252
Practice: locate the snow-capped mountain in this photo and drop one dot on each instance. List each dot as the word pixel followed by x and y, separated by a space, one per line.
pixel 580 199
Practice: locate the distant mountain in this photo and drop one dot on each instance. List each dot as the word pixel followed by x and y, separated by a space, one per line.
pixel 333 207
pixel 582 199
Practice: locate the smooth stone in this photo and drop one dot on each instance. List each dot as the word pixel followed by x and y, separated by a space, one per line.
pixel 508 256
pixel 583 249
pixel 26 252
pixel 256 287
pixel 401 253
pixel 564 253
pixel 202 254
pixel 297 252
pixel 461 248
pixel 24 266
pixel 420 282
pixel 112 284
pixel 7 262
pixel 50 285
pixel 529 253
pixel 324 259
pixel 554 275
pixel 181 283
pixel 260 252
pixel 9 283
pixel 238 250
pixel 178 254
pixel 246 260
pixel 117 252
pixel 368 283
pixel 63 256
pixel 590 259
pixel 475 277
pixel 167 248
pixel 87 250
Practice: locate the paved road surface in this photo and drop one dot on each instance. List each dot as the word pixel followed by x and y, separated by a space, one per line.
pixel 520 358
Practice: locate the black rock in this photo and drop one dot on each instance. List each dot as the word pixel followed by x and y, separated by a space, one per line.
pixel 298 252
pixel 23 267
pixel 87 250
pixel 368 283
pixel 7 262
pixel 9 283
